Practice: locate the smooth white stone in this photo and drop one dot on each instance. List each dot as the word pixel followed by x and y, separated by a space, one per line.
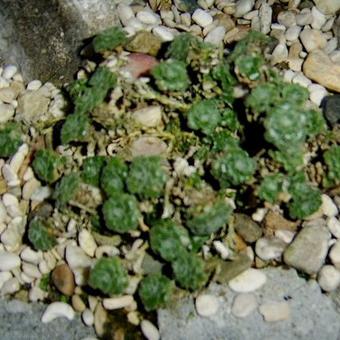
pixel 18 158
pixel 135 24
pixel 243 7
pixel 57 310
pixel 288 75
pixel 329 278
pixel 318 18
pixel 244 304
pixel 292 33
pixel 333 225
pixel 285 235
pixel 312 39
pixel 150 116
pixel 9 71
pixel 117 303
pixel 334 254
pixel 279 54
pixel 328 25
pixel 31 256
pixel 11 286
pixel 34 85
pixel 301 79
pixel 317 93
pixel 286 18
pixel 163 33
pixel 6 112
pixel 206 305
pixel 265 14
pixel 31 270
pixel 3 83
pixel 304 17
pixel 76 257
pixel 259 214
pixel 269 248
pixel 202 18
pixel 40 194
pixel 216 35
pixel 328 207
pixel 331 45
pixel 28 174
pixel 125 13
pixel 275 311
pixel 9 261
pixel 248 281
pixel 149 330
pixel 10 176
pixel 87 317
pixel 4 276
pixel 36 294
pixel 87 242
pixel 148 17
pixel 29 188
pixel 221 249
pixel 7 95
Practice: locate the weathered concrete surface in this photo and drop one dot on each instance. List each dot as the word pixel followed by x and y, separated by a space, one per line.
pixel 43 37
pixel 313 314
pixel 21 321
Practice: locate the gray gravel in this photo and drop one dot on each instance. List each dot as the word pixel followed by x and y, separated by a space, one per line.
pixel 313 315
pixel 21 321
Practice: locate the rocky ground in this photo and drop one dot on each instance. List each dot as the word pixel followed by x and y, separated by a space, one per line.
pixel 259 303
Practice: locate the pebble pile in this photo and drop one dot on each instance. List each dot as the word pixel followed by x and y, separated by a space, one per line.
pixel 308 54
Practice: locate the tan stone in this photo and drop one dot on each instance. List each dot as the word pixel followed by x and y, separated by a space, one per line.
pixel 63 279
pixel 321 69
pixel 274 221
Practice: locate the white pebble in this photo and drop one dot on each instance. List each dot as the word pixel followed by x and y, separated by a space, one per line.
pixel 243 305
pixel 163 33
pixel 318 18
pixel 331 45
pixel 243 7
pixel 11 286
pixel 279 54
pixel 57 310
pixel 248 281
pixel 206 305
pixel 41 193
pixel 6 112
pixel 221 249
pixel 286 18
pixel 31 270
pixel 334 254
pixel 87 317
pixel 76 257
pixel 28 174
pixel 269 248
pixel 125 13
pixel 4 276
pixel 202 18
pixel 328 207
pixel 34 85
pixel 18 158
pixel 301 79
pixel 9 71
pixel 317 93
pixel 149 330
pixel 29 188
pixel 7 95
pixel 333 225
pixel 216 35
pixel 275 311
pixel 87 242
pixel 106 250
pixel 148 18
pixel 259 214
pixel 292 33
pixel 135 24
pixel 285 235
pixel 329 278
pixel 10 176
pixel 36 294
pixel 117 303
pixel 9 261
pixel 25 278
pixel 304 17
pixel 31 256
pixel 150 116
pixel 288 75
pixel 3 83
pixel 312 39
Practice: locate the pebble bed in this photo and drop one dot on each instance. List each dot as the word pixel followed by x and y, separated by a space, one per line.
pixel 307 53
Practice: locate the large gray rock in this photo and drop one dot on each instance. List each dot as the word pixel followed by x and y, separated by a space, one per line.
pixel 313 315
pixel 21 321
pixel 309 249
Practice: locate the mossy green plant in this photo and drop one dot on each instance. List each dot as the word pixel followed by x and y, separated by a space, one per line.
pixel 41 235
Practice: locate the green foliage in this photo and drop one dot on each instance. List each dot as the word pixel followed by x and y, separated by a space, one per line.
pixel 47 165
pixel 113 176
pixel 10 138
pixel 204 116
pixel 44 283
pixel 315 122
pixel 92 169
pixel 109 39
pixel 181 46
pixel 189 271
pixel 332 160
pixel 168 239
pixel 155 291
pixel 229 120
pixel 109 276
pixel 75 129
pixel 96 90
pixel 146 177
pixel 249 66
pixel 285 127
pixel 66 188
pixel 291 158
pixel 223 141
pixel 271 187
pixel 171 75
pixel 40 235
pixel 121 213
pixel 222 74
pixel 233 168
pixel 294 94
pixel 209 218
